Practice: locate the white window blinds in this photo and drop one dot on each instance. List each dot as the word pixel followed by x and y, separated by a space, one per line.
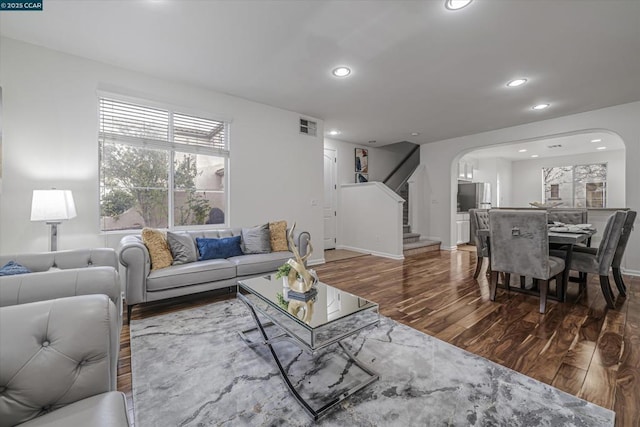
pixel 126 122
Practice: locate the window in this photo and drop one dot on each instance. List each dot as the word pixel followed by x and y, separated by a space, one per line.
pixel 595 195
pixel 576 186
pixel 160 168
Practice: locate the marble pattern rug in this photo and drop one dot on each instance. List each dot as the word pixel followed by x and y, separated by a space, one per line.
pixel 190 368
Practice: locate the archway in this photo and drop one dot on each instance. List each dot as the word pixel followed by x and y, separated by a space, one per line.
pixel 583 169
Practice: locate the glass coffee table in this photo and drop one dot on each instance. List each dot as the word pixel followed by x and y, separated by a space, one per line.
pixel 325 320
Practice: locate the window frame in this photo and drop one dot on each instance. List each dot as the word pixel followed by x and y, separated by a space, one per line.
pixel 171 148
pixel 573 184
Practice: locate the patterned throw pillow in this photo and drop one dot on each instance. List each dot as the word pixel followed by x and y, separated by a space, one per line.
pixel 12 268
pixel 218 248
pixel 159 251
pixel 278 231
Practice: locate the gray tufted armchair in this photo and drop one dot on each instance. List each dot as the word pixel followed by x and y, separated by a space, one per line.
pixel 63 260
pixel 57 366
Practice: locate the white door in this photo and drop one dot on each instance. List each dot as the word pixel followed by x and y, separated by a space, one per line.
pixel 330 198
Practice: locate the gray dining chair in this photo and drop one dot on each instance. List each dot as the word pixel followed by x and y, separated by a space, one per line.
pixel 519 244
pixel 619 253
pixel 570 216
pixel 622 246
pixel 599 261
pixel 480 221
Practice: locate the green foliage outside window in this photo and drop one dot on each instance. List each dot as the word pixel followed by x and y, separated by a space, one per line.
pixel 116 202
pixel 138 178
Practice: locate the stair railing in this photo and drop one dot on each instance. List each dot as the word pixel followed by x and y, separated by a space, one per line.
pixel 394 180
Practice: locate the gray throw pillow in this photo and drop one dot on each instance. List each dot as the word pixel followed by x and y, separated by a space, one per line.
pixel 256 240
pixel 182 248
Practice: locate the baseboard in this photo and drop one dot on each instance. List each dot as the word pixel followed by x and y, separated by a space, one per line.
pixel 349 248
pixel 448 248
pixel 630 272
pixel 316 262
pixel 376 253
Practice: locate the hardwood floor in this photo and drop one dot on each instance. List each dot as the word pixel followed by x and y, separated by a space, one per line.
pixel 580 347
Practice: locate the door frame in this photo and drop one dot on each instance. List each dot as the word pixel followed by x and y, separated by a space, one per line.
pixel 334 193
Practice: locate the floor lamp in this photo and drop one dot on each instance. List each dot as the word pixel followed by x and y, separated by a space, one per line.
pixel 53 207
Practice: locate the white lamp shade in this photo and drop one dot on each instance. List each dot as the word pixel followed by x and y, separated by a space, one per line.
pixel 52 205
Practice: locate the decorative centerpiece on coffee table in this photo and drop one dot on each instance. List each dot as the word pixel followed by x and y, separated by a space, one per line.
pixel 300 279
pixel 283 273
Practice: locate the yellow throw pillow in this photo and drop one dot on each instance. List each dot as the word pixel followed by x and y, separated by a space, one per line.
pixel 159 251
pixel 278 232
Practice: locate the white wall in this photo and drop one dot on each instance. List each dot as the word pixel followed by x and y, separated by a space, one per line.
pixel 527 176
pixel 50 130
pixel 373 213
pixel 381 160
pixel 441 161
pixel 503 190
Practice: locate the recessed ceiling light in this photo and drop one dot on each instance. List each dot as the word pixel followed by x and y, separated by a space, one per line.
pixel 334 132
pixel 601 148
pixel 534 155
pixel 540 106
pixel 516 82
pixel 524 150
pixel 415 133
pixel 341 72
pixel 456 4
pixel 597 140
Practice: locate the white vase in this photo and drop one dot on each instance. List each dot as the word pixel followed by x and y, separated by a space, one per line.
pixel 285 282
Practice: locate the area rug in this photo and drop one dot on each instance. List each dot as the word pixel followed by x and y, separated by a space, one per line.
pixel 190 368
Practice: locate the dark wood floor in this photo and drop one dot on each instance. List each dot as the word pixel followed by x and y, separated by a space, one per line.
pixel 581 347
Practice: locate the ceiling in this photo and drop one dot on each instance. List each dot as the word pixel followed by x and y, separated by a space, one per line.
pixel 417 67
pixel 552 147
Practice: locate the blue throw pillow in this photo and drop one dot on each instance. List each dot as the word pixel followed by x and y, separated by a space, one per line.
pixel 12 268
pixel 218 248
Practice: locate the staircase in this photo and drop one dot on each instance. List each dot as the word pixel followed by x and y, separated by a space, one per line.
pixel 397 180
pixel 412 243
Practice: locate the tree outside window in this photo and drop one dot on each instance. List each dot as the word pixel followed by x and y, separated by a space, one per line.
pixel 576 186
pixel 595 194
pixel 558 184
pixel 159 168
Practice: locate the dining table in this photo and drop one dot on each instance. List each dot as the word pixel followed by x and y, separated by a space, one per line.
pixel 566 240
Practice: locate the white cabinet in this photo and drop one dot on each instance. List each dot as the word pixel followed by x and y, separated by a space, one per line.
pixel 465 170
pixel 462 228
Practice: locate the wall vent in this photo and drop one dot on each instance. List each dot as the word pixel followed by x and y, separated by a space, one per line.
pixel 554 146
pixel 308 127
